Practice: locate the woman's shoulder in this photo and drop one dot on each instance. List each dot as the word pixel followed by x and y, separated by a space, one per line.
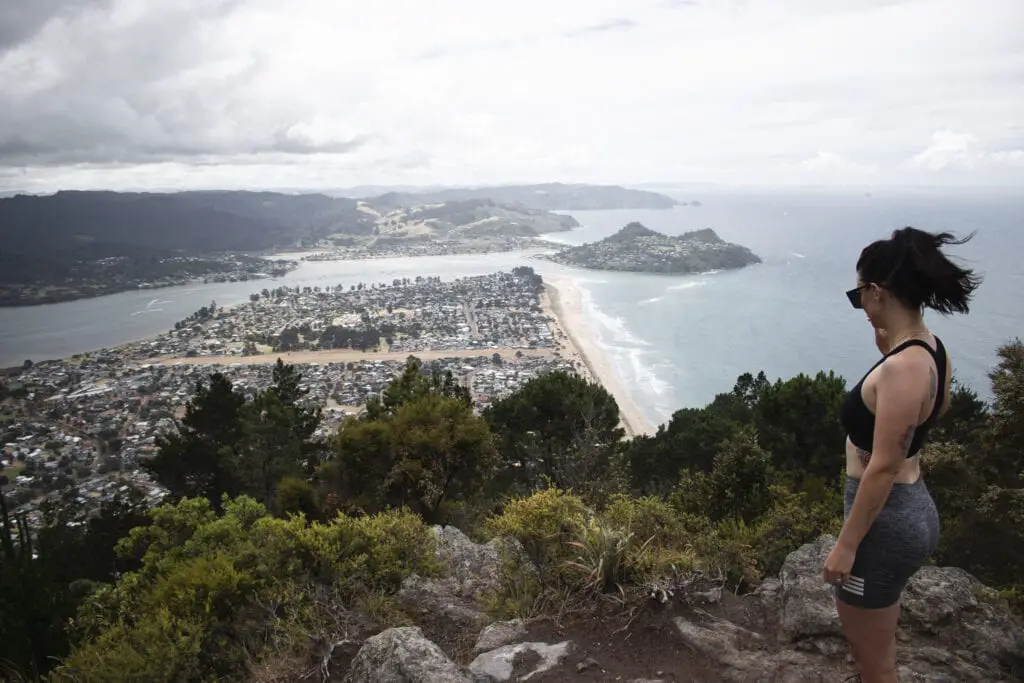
pixel 909 365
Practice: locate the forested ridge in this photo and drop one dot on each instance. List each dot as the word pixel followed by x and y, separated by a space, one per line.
pixel 273 537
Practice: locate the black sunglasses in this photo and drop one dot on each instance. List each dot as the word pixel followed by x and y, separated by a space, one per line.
pixel 854 296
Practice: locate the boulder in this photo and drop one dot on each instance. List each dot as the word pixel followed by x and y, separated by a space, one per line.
pixel 742 656
pixel 472 567
pixel 498 634
pixel 524 661
pixel 806 603
pixel 440 599
pixel 404 655
pixel 953 606
pixel 952 627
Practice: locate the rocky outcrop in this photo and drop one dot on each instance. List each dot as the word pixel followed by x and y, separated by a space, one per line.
pixel 450 608
pixel 952 629
pixel 805 603
pixel 950 625
pixel 403 655
pixel 472 567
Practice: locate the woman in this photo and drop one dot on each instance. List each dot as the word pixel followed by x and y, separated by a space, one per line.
pixel 891 525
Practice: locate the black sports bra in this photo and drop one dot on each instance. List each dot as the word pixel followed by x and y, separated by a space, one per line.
pixel 859 422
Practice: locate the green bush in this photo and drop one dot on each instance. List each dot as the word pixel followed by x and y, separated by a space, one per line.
pixel 791 522
pixel 215 593
pixel 545 523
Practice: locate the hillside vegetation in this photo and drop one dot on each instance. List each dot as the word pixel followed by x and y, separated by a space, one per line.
pixel 274 542
pixel 545 197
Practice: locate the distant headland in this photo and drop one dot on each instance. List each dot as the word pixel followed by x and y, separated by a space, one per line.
pixel 73 245
pixel 638 249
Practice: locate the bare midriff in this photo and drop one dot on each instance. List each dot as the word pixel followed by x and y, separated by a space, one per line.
pixel 857 460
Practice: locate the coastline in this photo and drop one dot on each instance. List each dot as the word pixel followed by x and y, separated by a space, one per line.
pixel 562 300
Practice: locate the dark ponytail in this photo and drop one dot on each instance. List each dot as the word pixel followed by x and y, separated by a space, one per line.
pixel 913 267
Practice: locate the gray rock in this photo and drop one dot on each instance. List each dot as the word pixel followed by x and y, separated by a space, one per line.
pixel 953 605
pixel 403 655
pixel 708 597
pixel 472 566
pixel 440 597
pixel 743 657
pixel 937 596
pixel 806 602
pixel 498 634
pixel 500 664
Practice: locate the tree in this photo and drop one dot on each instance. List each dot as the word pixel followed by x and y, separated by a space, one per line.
pixel 692 438
pixel 797 421
pixel 295 495
pixel 738 485
pixel 199 459
pixel 1004 442
pixel 430 452
pixel 965 417
pixel 413 384
pixel 558 429
pixel 689 441
pixel 269 448
pixel 44 578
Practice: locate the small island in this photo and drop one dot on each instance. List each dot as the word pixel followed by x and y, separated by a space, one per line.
pixel 638 249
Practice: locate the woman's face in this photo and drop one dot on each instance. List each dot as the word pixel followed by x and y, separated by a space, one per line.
pixel 872 301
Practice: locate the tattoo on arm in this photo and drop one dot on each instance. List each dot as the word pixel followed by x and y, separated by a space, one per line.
pixel 864 456
pixel 907 438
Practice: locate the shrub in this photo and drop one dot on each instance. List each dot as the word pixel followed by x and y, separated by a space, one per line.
pixel 544 524
pixel 216 593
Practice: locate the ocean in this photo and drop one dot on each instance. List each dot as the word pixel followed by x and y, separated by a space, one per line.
pixel 674 341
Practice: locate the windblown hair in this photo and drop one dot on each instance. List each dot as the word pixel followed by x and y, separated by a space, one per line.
pixel 912 266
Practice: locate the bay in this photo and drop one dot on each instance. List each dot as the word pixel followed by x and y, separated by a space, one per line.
pixel 674 341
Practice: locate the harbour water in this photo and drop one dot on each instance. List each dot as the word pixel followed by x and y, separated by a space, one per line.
pixel 674 341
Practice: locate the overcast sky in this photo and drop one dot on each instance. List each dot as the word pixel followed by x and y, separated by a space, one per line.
pixel 330 93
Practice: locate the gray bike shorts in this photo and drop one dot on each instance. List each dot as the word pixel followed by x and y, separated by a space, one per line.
pixel 902 538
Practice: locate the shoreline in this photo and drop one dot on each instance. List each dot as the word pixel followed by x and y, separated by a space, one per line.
pixel 562 300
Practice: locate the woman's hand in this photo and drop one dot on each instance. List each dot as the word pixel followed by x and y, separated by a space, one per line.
pixel 882 340
pixel 838 564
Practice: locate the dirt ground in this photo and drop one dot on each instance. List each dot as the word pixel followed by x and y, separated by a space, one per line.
pixel 624 648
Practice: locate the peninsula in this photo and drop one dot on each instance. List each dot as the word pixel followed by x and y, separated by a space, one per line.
pixel 638 249
pixel 544 197
pixel 74 245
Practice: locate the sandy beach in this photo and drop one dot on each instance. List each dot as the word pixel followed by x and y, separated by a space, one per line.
pixel 348 355
pixel 564 301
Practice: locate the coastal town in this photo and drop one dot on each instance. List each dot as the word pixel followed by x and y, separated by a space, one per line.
pixel 86 423
pixel 345 250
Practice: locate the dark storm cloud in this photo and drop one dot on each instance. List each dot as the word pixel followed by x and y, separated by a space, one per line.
pixel 20 20
pixel 142 93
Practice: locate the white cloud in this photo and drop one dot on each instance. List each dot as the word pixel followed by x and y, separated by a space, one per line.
pixel 240 93
pixel 962 151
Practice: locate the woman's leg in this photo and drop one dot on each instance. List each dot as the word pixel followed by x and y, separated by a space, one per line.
pixel 872 637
